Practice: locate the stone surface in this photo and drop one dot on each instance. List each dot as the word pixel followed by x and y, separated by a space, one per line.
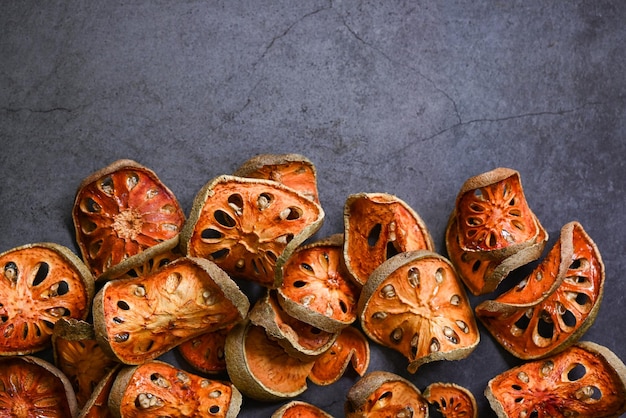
pixel 409 98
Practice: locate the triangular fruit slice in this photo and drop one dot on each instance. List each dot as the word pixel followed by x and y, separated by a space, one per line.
pixel 452 400
pixel 206 353
pixel 415 304
pixel 141 318
pixel 586 380
pixel 119 211
pixel 249 227
pixel 552 307
pixel 378 226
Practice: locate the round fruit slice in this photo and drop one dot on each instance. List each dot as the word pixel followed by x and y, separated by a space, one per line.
pixel 249 227
pixel 382 394
pixel 119 211
pixel 32 387
pixel 414 304
pixel 39 284
pixel 292 170
pixel 351 346
pixel 299 339
pixel 452 400
pixel 299 409
pixel 260 368
pixel 157 389
pixel 378 226
pixel 206 352
pixel 555 305
pixel 140 319
pixel 586 381
pixel 316 288
pixel 78 355
pixel 97 406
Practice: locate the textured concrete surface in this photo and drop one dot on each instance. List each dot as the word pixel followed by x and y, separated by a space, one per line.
pixel 404 97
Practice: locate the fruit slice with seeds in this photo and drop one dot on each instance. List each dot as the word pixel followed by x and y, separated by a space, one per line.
pixel 206 352
pixel 39 284
pixel 119 211
pixel 378 226
pixel 299 409
pixel 586 380
pixel 141 318
pixel 415 304
pixel 452 400
pixel 552 307
pixel 249 227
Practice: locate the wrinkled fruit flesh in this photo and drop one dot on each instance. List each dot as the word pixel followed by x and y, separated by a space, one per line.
pixel 452 400
pixel 120 211
pixel 97 406
pixel 206 352
pixel 415 304
pixel 382 394
pixel 586 380
pixel 378 226
pixel 316 289
pixel 31 387
pixel 39 284
pixel 157 389
pixel 142 318
pixel 552 307
pixel 299 409
pixel 249 227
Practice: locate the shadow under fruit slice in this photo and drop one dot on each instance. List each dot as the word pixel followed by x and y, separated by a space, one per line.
pixel 299 409
pixel 260 368
pixel 39 284
pixel 119 211
pixel 381 394
pixel 249 227
pixel 140 319
pixel 414 304
pixel 32 387
pixel 552 307
pixel 378 226
pixel 158 389
pixel 586 380
pixel 452 400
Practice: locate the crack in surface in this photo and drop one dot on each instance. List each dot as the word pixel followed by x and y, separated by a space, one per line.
pixel 32 110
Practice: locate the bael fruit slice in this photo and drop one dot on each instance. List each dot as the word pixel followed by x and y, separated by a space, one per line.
pixel 586 381
pixel 555 305
pixel 260 368
pixel 119 211
pixel 452 400
pixel 249 227
pixel 378 226
pixel 141 318
pixel 316 288
pixel 77 354
pixel 299 409
pixel 32 387
pixel 206 352
pixel 39 284
pixel 351 346
pixel 414 304
pixel 97 406
pixel 158 389
pixel 381 394
pixel 292 170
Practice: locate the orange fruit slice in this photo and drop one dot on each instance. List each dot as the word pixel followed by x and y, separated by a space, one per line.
pixel 452 400
pixel 97 406
pixel 206 352
pixel 299 409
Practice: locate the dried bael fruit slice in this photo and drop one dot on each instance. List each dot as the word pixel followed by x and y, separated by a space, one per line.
pixel 555 305
pixel 39 284
pixel 414 304
pixel 299 339
pixel 381 394
pixel 206 352
pixel 249 227
pixel 158 389
pixel 378 226
pixel 260 368
pixel 351 346
pixel 299 409
pixel 140 319
pixel 32 387
pixel 316 288
pixel 292 170
pixel 77 354
pixel 97 406
pixel 119 211
pixel 452 400
pixel 586 380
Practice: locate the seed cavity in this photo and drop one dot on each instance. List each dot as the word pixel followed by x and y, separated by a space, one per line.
pixel 290 214
pixel 132 180
pixel 172 282
pixel 439 274
pixel 11 271
pixel 306 300
pixel 462 326
pixel 264 201
pixel 147 400
pixel 434 345
pixel 139 291
pixel 414 277
pixel 183 378
pixel 388 291
pixel 160 381
pixel 547 368
pixel 379 315
pixel 209 297
pixel 121 337
pixel 106 185
pixel 396 335
pixel 523 376
pixel 455 300
pixel 451 335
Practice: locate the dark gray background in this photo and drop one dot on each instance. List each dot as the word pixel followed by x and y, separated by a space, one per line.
pixel 404 97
